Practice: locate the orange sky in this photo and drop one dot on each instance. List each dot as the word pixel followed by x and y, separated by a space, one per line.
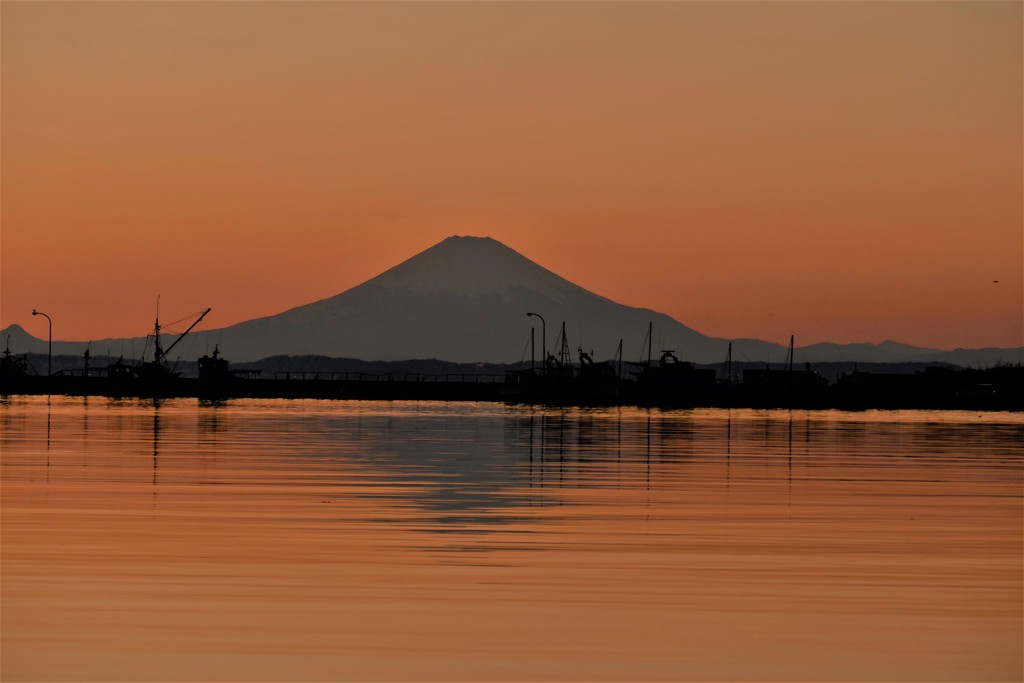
pixel 842 171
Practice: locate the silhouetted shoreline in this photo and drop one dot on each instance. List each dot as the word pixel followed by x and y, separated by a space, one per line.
pixel 848 386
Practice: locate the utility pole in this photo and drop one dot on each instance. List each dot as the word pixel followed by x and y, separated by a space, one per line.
pixel 49 343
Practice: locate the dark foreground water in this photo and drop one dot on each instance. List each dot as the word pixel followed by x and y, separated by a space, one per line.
pixel 313 540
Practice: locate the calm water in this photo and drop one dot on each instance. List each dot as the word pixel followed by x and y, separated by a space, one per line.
pixel 313 540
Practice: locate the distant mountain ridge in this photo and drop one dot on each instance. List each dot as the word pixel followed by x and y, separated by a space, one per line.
pixel 465 300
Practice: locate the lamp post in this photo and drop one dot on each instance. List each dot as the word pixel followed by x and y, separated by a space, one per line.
pixel 49 342
pixel 543 338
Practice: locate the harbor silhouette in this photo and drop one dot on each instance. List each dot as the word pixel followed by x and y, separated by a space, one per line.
pixel 559 379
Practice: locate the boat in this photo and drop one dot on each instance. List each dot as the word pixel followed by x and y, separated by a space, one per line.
pixel 213 368
pixel 786 387
pixel 671 381
pixel 12 366
pixel 158 370
pixel 560 382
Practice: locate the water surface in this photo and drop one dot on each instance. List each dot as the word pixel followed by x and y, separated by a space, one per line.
pixel 319 540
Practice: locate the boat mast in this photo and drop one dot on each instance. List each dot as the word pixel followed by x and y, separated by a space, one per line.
pixel 158 352
pixel 619 376
pixel 728 364
pixel 564 357
pixel 650 341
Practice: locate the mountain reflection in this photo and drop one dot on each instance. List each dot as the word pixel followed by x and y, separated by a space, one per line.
pixel 473 471
pixel 464 472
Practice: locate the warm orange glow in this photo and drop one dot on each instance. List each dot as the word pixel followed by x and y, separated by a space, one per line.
pixel 391 541
pixel 841 171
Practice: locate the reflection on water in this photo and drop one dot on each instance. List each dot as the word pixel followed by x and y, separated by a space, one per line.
pixel 311 540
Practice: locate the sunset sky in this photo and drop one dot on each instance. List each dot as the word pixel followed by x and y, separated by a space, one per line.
pixel 839 171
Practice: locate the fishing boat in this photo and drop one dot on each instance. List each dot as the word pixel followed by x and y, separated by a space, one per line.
pixel 785 388
pixel 158 370
pixel 671 381
pixel 12 366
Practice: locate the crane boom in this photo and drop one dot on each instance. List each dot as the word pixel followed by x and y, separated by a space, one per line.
pixel 182 336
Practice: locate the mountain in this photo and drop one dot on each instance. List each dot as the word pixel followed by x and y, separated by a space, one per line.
pixel 465 300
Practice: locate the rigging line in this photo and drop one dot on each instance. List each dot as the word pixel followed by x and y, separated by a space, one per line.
pixel 522 359
pixel 190 316
pixel 643 345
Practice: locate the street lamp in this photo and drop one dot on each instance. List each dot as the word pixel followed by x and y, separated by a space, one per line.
pixel 543 337
pixel 49 342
